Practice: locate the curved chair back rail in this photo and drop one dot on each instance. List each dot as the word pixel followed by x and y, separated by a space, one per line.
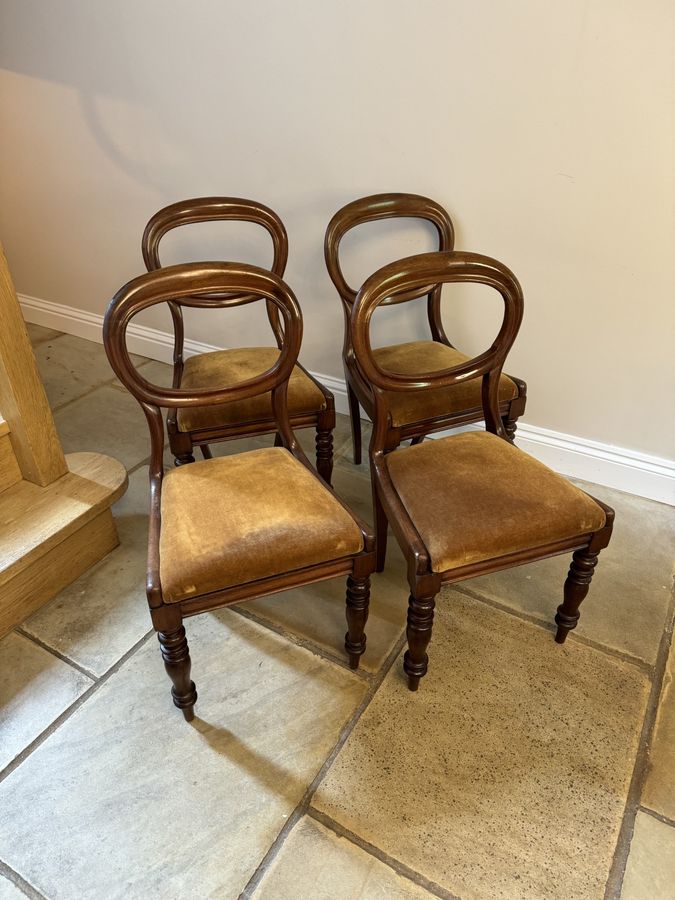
pixel 214 209
pixel 200 282
pixel 408 275
pixel 372 209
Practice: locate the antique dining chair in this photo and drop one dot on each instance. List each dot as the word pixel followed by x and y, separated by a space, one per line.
pixel 412 414
pixel 310 404
pixel 467 504
pixel 233 528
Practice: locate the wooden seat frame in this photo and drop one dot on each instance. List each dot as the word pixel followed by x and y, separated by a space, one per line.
pixel 217 285
pixel 406 277
pixel 212 209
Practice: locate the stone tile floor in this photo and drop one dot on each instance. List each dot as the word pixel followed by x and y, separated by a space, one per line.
pixel 519 770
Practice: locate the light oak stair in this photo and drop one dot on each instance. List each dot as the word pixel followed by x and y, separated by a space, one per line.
pixel 55 518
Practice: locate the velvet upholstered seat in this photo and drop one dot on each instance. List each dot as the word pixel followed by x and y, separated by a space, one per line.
pixel 241 518
pixel 229 367
pixel 310 404
pixel 431 356
pixel 244 526
pixel 488 499
pixel 468 504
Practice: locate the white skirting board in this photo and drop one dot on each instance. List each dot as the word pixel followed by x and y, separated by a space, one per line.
pixel 627 470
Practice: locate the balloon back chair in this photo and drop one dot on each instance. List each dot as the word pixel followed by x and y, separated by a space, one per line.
pixel 472 503
pixel 310 404
pixel 413 415
pixel 236 527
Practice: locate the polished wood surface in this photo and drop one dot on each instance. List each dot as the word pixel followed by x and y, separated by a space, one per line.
pixel 397 205
pixel 405 277
pixel 213 209
pixel 218 285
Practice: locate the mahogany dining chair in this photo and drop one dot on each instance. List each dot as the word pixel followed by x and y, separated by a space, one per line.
pixel 471 503
pixel 237 527
pixel 413 414
pixel 310 404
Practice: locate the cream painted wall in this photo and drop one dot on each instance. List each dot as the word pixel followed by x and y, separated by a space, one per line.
pixel 546 129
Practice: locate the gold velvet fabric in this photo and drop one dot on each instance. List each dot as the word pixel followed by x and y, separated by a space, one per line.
pixel 418 357
pixel 224 368
pixel 474 497
pixel 235 519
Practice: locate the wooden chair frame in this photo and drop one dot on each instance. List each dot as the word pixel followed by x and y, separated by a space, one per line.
pixel 406 277
pixel 387 206
pixel 211 285
pixel 212 209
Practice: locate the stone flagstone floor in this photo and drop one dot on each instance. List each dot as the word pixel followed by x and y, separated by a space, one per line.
pixel 520 769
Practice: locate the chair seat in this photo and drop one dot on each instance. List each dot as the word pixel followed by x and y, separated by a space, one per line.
pixel 474 497
pixel 225 368
pixel 416 357
pixel 235 519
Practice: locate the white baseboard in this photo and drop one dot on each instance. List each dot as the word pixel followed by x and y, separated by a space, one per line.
pixel 627 470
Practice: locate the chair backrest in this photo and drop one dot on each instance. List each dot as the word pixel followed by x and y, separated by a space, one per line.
pixel 214 209
pixel 386 206
pixel 206 285
pixel 406 276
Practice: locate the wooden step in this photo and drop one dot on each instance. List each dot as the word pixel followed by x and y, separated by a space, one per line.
pixel 50 535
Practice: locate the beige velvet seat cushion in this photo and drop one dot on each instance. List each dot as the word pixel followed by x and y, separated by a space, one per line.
pixel 417 357
pixel 235 519
pixel 475 496
pixel 224 368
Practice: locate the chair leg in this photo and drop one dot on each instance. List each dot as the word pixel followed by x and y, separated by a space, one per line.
pixel 206 451
pixel 176 656
pixel 381 531
pixel 417 440
pixel 278 442
pixel 510 427
pixel 577 583
pixel 358 597
pixel 324 453
pixel 420 624
pixel 183 459
pixel 355 417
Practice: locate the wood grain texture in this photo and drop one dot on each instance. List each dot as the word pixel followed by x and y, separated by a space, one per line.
pixel 10 472
pixel 35 519
pixel 22 396
pixel 50 572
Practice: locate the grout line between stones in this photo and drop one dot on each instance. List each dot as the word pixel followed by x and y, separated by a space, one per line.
pixel 391 861
pixel 641 767
pixel 305 643
pixel 641 664
pixel 74 706
pixel 305 801
pixel 44 646
pixel 24 886
pixel 659 818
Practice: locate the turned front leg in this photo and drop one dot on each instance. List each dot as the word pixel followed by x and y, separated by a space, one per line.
pixel 358 597
pixel 510 426
pixel 576 587
pixel 420 624
pixel 176 656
